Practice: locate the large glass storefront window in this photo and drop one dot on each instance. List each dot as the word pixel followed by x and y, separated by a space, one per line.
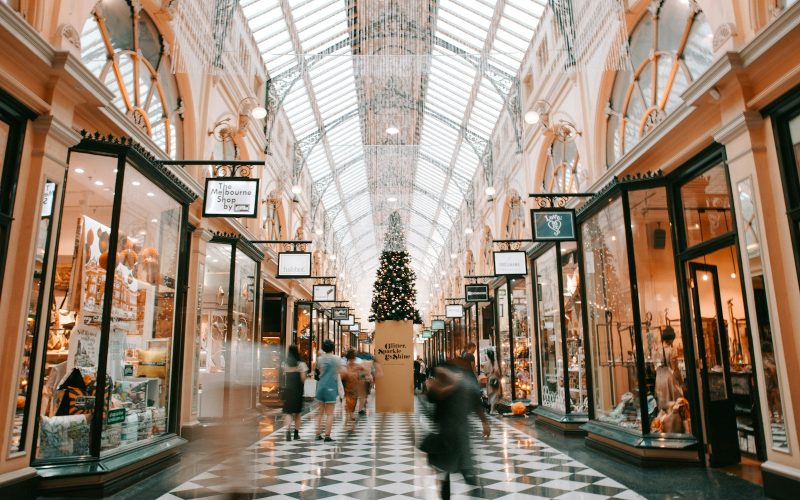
pixel 549 317
pixel 113 320
pixel 138 367
pixel 69 383
pixel 35 317
pixel 659 310
pixel 560 332
pixel 611 330
pixel 573 328
pixel 228 351
pixel 514 340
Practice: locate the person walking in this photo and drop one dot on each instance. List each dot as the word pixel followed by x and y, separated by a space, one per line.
pixel 327 389
pixel 417 369
pixel 494 387
pixel 294 374
pixel 455 393
pixel 353 380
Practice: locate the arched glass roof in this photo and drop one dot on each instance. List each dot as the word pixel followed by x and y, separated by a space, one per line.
pixel 348 71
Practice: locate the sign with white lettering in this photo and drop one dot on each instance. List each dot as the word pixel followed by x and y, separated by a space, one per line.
pixel 231 197
pixel 437 324
pixel 426 334
pixel 349 321
pixel 324 293
pixel 48 197
pixel 355 327
pixel 553 224
pixel 294 265
pixel 454 311
pixel 510 263
pixel 476 293
pixel 340 313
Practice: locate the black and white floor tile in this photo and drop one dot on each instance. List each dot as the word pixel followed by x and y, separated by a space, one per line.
pixel 381 460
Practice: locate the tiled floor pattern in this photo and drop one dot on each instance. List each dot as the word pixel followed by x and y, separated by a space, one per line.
pixel 380 460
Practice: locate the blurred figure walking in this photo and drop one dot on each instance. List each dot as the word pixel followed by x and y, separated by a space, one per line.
pixel 353 381
pixel 294 377
pixel 494 387
pixel 327 389
pixel 456 395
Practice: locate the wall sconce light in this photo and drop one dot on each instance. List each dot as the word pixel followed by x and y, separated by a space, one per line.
pixel 564 130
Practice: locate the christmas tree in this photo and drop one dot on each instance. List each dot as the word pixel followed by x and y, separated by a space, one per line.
pixel 394 292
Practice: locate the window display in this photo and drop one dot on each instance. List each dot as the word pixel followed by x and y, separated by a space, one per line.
pixel 36 315
pixel 611 330
pixel 560 334
pixel 573 328
pixel 228 350
pixel 769 363
pixel 514 340
pixel 550 348
pixel 115 337
pixel 523 368
pixel 665 366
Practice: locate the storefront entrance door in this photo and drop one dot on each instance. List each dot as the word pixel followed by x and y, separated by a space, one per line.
pixel 713 370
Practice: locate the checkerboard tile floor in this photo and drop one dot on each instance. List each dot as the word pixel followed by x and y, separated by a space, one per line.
pixel 381 460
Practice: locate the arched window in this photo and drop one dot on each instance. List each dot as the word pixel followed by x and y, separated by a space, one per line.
pixel 563 172
pixel 121 45
pixel 669 48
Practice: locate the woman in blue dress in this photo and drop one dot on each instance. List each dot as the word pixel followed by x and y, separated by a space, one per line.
pixel 327 389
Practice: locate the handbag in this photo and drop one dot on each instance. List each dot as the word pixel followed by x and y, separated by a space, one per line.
pixel 440 453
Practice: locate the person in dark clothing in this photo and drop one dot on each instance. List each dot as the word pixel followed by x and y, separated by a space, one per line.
pixel 469 356
pixel 456 395
pixel 295 376
pixel 417 370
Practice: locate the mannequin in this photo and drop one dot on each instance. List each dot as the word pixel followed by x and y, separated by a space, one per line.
pixel 669 383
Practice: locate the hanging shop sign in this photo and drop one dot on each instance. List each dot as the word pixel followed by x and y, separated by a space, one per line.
pixel 355 327
pixel 553 224
pixel 476 293
pixel 454 311
pixel 363 336
pixel 510 263
pixel 437 324
pixel 294 265
pixel 349 321
pixel 231 197
pixel 340 313
pixel 426 334
pixel 47 199
pixel 324 293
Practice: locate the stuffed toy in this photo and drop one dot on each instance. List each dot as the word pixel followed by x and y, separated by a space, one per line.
pixel 150 270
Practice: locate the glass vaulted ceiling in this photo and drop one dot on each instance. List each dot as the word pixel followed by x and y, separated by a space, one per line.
pixel 450 40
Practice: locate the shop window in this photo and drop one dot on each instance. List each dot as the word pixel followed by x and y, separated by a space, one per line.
pixel 611 329
pixel 12 130
pixel 72 353
pixel 41 257
pixel 227 352
pixel 143 314
pixel 669 49
pixel 515 360
pixel 769 361
pixel 550 346
pixel 124 349
pixel 573 328
pixel 659 311
pixel 563 172
pixel 121 45
pixel 706 206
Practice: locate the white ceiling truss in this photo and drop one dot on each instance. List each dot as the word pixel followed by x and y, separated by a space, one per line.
pixel 440 71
